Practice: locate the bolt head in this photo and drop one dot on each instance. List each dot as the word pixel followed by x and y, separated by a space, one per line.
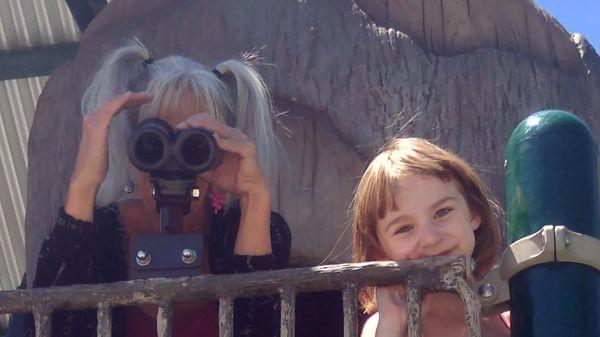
pixel 129 187
pixel 142 258
pixel 188 256
pixel 486 290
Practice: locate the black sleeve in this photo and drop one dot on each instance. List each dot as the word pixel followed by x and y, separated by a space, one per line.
pixel 258 316
pixel 77 252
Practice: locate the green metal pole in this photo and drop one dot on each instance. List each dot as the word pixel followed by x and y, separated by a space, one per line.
pixel 551 179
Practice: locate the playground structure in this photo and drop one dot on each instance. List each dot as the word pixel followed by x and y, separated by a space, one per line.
pixel 467 93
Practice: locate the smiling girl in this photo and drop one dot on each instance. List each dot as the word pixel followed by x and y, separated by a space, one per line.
pixel 417 200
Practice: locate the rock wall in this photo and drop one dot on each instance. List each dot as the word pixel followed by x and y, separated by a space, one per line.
pixel 348 75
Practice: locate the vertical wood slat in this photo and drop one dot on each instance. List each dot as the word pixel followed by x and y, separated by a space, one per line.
pixel 413 311
pixel 104 328
pixel 288 312
pixel 472 307
pixel 164 319
pixel 350 311
pixel 43 321
pixel 226 317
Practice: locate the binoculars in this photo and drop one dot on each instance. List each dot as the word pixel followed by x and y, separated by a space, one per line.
pixel 173 159
pixel 156 148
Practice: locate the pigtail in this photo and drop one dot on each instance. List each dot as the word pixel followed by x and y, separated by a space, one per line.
pixel 112 79
pixel 253 112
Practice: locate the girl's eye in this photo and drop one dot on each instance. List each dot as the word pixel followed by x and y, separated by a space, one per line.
pixel 443 212
pixel 403 229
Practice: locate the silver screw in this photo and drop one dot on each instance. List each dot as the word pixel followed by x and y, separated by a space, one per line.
pixel 188 256
pixel 142 258
pixel 129 187
pixel 486 290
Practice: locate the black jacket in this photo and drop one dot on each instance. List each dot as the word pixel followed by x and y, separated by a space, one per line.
pixel 80 252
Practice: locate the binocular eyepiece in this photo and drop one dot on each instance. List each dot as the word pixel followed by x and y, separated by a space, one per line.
pixel 156 148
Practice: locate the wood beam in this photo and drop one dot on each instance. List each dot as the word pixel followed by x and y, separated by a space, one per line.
pixel 34 62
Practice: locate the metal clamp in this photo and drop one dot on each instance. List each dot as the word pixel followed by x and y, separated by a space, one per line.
pixel 575 247
pixel 549 244
pixel 529 251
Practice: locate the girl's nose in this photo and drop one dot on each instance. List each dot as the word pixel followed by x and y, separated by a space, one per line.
pixel 429 238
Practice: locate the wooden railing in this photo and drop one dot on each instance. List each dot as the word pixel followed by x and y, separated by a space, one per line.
pixel 422 276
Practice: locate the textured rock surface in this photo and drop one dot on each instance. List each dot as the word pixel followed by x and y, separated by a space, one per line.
pixel 463 73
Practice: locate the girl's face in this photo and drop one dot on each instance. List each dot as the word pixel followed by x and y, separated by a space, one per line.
pixel 432 219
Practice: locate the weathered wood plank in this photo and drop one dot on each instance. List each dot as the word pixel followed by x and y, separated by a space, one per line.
pixel 42 315
pixel 472 307
pixel 288 312
pixel 430 273
pixel 226 317
pixel 104 328
pixel 413 311
pixel 350 311
pixel 164 319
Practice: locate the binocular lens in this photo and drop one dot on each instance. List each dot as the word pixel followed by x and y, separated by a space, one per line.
pixel 195 150
pixel 155 147
pixel 149 149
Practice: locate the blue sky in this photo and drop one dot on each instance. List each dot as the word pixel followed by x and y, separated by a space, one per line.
pixel 577 16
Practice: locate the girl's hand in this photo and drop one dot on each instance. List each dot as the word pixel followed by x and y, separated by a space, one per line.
pixel 239 172
pixel 92 158
pixel 392 311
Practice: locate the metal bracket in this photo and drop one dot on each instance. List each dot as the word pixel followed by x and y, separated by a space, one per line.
pixel 549 244
pixel 529 251
pixel 575 247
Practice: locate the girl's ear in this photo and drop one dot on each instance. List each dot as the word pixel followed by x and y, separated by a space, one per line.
pixel 475 221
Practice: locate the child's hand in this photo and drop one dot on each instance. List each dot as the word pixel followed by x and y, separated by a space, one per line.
pixel 391 307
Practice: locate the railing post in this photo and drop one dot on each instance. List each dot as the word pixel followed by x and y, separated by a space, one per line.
pixel 42 315
pixel 413 311
pixel 164 319
pixel 104 328
pixel 472 307
pixel 288 312
pixel 226 317
pixel 350 311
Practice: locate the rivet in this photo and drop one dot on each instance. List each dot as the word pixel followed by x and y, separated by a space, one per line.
pixel 188 256
pixel 129 187
pixel 486 290
pixel 142 258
